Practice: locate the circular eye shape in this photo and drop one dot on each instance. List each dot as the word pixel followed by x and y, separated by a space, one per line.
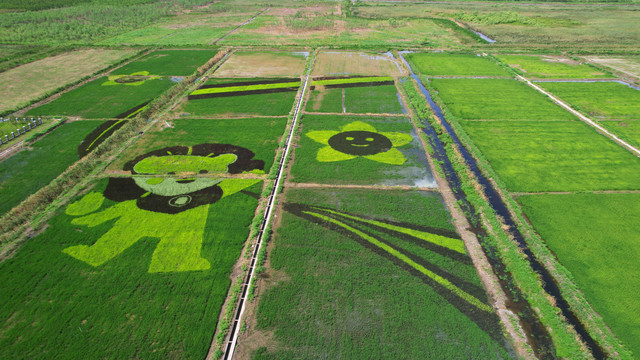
pixel 204 172
pixel 155 181
pixel 360 143
pixel 130 79
pixel 180 201
pixel 185 181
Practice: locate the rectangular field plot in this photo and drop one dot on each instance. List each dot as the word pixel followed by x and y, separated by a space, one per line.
pixel 34 80
pixel 537 156
pixel 260 136
pixel 627 65
pixel 106 97
pixel 201 29
pixel 330 63
pixel 626 130
pixel 497 99
pixel 599 100
pixel 360 150
pixel 595 236
pixel 382 99
pixel 27 171
pixel 168 63
pixel 247 64
pixel 239 97
pixel 553 67
pixel 127 271
pixel 444 64
pixel 360 274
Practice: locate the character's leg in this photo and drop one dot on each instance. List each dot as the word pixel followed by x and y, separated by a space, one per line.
pixel 179 252
pixel 110 245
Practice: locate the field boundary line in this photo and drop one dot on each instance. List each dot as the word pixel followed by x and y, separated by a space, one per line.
pixel 104 72
pixel 231 344
pixel 585 119
pixel 575 192
pixel 239 26
pixel 355 114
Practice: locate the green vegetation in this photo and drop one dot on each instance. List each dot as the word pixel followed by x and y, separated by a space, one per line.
pixel 274 104
pixel 535 156
pixel 52 299
pixel 599 100
pixel 627 130
pixel 113 99
pixel 75 25
pixel 447 64
pixel 168 62
pixel 595 237
pixel 371 99
pixel 258 87
pixel 24 173
pixel 317 161
pixel 497 99
pixel 383 299
pixel 553 67
pixel 261 136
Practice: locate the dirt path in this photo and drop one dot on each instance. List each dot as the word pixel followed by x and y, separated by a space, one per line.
pixel 585 119
pixel 239 26
pixel 6 153
pixel 230 346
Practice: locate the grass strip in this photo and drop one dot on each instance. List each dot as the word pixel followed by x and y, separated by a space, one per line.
pixel 351 80
pixel 245 88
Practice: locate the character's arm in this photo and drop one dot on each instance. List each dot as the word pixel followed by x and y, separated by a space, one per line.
pixel 88 204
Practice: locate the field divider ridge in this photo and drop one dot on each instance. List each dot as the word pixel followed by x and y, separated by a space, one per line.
pixel 582 117
pixel 233 337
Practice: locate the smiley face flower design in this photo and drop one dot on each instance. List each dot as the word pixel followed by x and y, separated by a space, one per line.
pixel 135 79
pixel 359 139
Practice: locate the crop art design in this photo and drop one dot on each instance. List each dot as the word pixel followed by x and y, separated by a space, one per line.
pixel 135 79
pixel 155 203
pixel 381 236
pixel 359 139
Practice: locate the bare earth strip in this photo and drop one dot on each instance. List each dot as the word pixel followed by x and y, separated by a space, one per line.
pixel 629 66
pixel 330 63
pixel 33 80
pixel 264 64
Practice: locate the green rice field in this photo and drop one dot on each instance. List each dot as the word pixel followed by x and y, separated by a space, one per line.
pixel 599 100
pixel 273 104
pixel 496 99
pixel 115 98
pixel 449 64
pixel 27 171
pixel 400 160
pixel 260 135
pixel 359 100
pixel 595 236
pixel 168 62
pixel 334 289
pixel 58 303
pixel 550 67
pixel 535 156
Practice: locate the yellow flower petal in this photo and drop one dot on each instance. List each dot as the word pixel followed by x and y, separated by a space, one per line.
pixel 398 139
pixel 359 126
pixel 321 136
pixel 328 154
pixel 392 157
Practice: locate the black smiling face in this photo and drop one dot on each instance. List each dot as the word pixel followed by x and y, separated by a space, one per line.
pixel 360 143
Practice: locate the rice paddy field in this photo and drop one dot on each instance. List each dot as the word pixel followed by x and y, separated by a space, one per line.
pixel 496 99
pixel 553 67
pixel 26 172
pixel 363 161
pixel 53 73
pixel 246 180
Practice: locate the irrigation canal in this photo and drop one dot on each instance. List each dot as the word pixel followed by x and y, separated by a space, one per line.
pixel 235 323
pixel 497 203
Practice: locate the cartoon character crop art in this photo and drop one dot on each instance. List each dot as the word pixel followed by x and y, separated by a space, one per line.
pixel 154 203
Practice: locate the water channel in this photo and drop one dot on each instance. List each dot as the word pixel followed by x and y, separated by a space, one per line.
pixel 537 334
